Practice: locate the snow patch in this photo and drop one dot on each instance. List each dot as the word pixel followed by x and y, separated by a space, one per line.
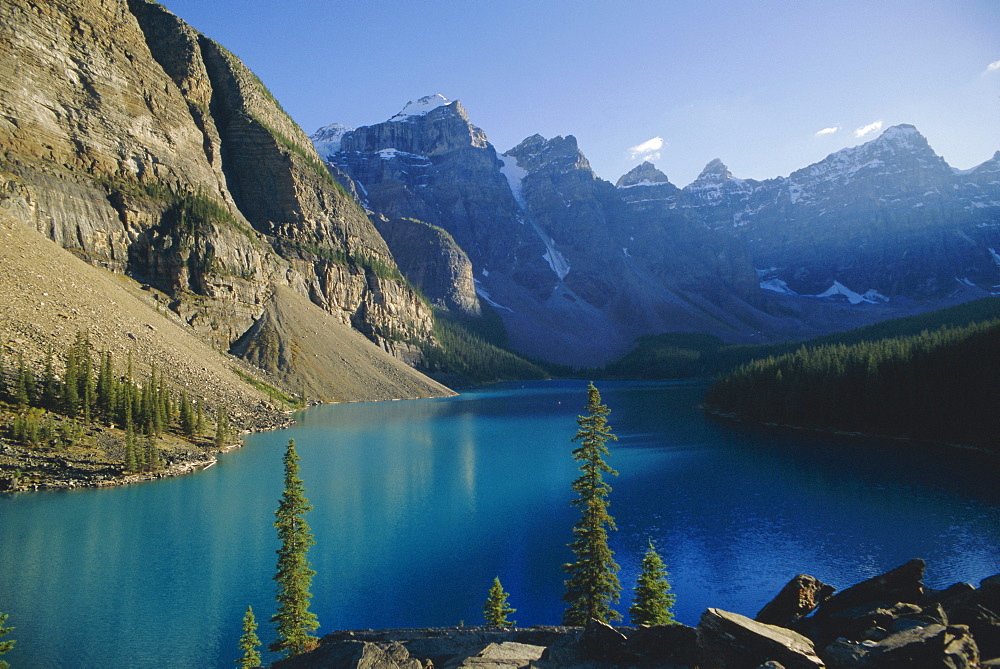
pixel 996 256
pixel 420 107
pixel 965 282
pixel 484 294
pixel 777 286
pixel 873 296
pixel 328 139
pixel 514 174
pixel 840 289
pixel 389 154
pixel 644 182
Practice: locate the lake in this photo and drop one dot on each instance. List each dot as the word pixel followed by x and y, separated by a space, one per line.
pixel 419 504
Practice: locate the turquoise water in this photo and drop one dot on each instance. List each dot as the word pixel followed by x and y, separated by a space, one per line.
pixel 419 504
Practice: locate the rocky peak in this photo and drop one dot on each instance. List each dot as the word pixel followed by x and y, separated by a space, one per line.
pixel 559 154
pixel 645 174
pixel 715 172
pixel 327 139
pixel 416 108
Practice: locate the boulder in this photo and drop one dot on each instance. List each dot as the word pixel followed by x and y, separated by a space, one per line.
pixel 731 641
pixel 353 654
pixel 796 600
pixel 601 641
pixel 984 626
pixel 902 584
pixel 927 647
pixel 660 645
pixel 503 655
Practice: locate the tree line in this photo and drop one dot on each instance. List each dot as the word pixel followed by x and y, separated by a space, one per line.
pixel 941 385
pixel 52 409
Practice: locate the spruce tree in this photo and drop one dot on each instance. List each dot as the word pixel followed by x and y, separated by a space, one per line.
pixel 4 645
pixel 593 577
pixel 249 642
pixel 653 599
pixel 293 621
pixel 221 427
pixel 496 609
pixel 22 391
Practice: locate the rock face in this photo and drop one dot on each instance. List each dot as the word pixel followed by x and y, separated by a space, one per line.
pixel 150 150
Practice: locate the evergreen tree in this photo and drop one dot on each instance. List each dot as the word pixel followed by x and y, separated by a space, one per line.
pixel 293 621
pixel 199 420
pixel 593 577
pixel 186 417
pixel 131 462
pixel 50 392
pixel 653 599
pixel 496 609
pixel 221 428
pixel 22 391
pixel 249 642
pixel 71 388
pixel 4 645
pixel 106 389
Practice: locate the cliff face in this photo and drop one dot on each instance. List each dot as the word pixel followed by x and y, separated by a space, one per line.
pixel 146 148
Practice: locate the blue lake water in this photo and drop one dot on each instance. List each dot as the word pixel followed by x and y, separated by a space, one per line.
pixel 419 504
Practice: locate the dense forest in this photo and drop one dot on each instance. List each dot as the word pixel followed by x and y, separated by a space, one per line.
pixel 678 355
pixel 940 385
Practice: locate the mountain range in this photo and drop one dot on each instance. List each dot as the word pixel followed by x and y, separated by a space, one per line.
pixel 577 267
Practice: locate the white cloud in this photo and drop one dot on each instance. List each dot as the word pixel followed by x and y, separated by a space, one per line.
pixel 827 131
pixel 994 66
pixel 865 129
pixel 648 150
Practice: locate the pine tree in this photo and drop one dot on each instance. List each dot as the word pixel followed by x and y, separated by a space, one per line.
pixel 496 609
pixel 249 642
pixel 293 620
pixel 593 577
pixel 186 415
pixel 221 427
pixel 22 390
pixel 4 645
pixel 49 393
pixel 653 600
pixel 199 420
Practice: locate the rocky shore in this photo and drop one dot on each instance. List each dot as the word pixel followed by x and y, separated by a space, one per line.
pixel 891 620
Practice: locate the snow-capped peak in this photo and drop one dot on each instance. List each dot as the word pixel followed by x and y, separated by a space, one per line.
pixel 328 138
pixel 421 106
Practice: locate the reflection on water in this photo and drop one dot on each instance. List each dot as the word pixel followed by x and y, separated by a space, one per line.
pixel 418 505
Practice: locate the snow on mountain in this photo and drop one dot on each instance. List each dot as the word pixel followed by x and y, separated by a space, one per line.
pixel 840 289
pixel 327 139
pixel 421 107
pixel 514 174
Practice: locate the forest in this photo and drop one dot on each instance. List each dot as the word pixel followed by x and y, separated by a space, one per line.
pixel 939 385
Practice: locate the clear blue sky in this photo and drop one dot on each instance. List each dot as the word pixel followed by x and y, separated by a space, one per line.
pixel 749 82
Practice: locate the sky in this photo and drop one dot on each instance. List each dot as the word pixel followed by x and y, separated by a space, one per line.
pixel 768 87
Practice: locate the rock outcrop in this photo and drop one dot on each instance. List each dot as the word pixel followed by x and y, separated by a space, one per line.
pixel 148 149
pixel 925 633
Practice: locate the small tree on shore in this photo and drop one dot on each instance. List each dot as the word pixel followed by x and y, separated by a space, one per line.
pixel 653 599
pixel 5 645
pixel 496 609
pixel 249 642
pixel 293 621
pixel 593 577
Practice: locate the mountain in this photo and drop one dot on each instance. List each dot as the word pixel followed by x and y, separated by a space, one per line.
pixel 577 268
pixel 147 149
pixel 547 239
pixel 886 219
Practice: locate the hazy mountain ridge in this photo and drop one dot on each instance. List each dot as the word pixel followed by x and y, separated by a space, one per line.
pixel 723 255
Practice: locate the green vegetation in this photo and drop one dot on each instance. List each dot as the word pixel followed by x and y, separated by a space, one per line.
pixel 653 600
pixel 5 646
pixel 269 390
pixel 293 621
pixel 470 349
pixel 687 355
pixel 593 577
pixel 496 609
pixel 937 385
pixel 58 413
pixel 249 642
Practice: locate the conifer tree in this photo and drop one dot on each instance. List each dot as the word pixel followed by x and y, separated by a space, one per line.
pixel 249 642
pixel 49 393
pixel 496 609
pixel 653 600
pixel 221 427
pixel 4 645
pixel 70 390
pixel 106 389
pixel 186 417
pixel 593 577
pixel 293 621
pixel 199 420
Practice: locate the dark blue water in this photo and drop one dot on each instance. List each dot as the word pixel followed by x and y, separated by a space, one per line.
pixel 419 504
